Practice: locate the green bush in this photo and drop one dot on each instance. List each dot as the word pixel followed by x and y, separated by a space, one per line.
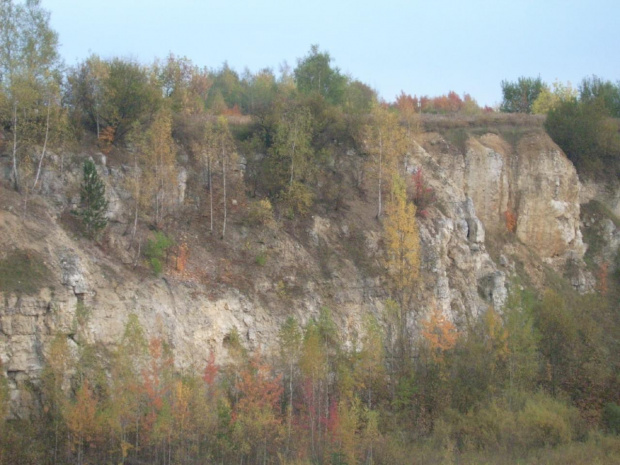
pixel 261 259
pixel 520 95
pixel 611 417
pixel 298 198
pixel 156 250
pixel 518 424
pixel 545 421
pixel 260 213
pixel 588 137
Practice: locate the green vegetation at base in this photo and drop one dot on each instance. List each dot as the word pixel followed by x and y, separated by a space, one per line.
pixel 532 382
pixel 531 385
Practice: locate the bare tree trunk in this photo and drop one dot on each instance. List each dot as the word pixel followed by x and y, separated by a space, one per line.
pixel 97 118
pixel 14 171
pixel 47 131
pixel 293 160
pixel 210 195
pixel 290 408
pixel 137 199
pixel 380 207
pixel 224 185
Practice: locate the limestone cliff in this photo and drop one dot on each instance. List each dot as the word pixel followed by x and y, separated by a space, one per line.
pixel 469 256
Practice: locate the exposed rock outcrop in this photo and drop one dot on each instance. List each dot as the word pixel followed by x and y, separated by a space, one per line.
pixel 329 263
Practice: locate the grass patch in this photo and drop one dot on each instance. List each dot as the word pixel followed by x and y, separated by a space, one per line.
pixel 457 137
pixel 23 272
pixel 513 135
pixel 261 259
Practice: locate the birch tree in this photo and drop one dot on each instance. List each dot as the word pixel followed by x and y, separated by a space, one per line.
pixel 402 242
pixel 384 142
pixel 29 65
pixel 220 147
pixel 161 154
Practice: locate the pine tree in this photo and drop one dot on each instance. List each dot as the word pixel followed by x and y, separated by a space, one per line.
pixel 93 204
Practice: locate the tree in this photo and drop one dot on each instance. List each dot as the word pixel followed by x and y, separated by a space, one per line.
pixel 290 351
pixel 126 401
pixel 54 383
pixel 261 89
pixel 384 141
pixel 258 426
pixel 439 334
pixel 130 95
pixel 595 88
pixel 317 349
pixel 559 338
pixel 290 156
pixel 292 141
pixel 549 99
pixel 4 404
pixel 587 135
pixel 314 74
pixel 519 96
pixel 220 143
pixel 82 420
pixel 402 242
pixel 184 85
pixel 359 98
pixel 226 92
pixel 522 358
pixel 160 153
pixel 93 204
pixel 370 362
pixel 29 64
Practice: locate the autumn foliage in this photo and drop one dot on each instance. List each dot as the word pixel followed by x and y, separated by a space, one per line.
pixel 423 195
pixel 439 333
pixel 449 103
pixel 510 218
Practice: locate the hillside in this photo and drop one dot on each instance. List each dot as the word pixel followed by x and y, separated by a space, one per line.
pixel 332 257
pixel 503 215
pixel 201 266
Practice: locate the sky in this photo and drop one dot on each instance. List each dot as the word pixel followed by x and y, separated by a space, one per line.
pixel 421 47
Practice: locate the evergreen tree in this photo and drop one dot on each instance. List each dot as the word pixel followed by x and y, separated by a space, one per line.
pixel 93 204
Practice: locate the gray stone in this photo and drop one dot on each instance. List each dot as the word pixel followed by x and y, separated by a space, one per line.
pixel 72 273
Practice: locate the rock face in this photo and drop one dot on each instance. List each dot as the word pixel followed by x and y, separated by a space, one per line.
pixel 306 270
pixel 534 183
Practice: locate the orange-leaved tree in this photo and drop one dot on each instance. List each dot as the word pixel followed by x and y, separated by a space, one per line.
pixel 257 421
pixel 439 334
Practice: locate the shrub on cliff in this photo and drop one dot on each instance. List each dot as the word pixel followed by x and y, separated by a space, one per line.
pixel 587 134
pixel 518 97
pixel 156 250
pixel 93 204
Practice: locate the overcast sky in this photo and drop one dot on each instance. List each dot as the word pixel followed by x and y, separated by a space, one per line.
pixel 422 47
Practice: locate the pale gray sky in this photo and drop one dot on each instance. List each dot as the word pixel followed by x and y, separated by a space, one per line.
pixel 422 47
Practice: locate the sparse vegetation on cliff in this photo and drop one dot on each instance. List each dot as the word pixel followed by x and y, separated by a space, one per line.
pixel 298 193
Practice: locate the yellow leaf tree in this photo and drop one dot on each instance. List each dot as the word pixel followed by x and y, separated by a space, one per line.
pixel 402 243
pixel 161 153
pixel 385 142
pixel 402 246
